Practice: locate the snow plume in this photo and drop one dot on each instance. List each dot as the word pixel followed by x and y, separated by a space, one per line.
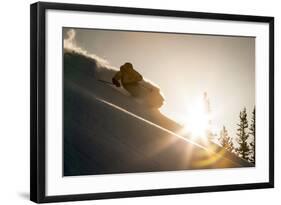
pixel 102 69
pixel 70 45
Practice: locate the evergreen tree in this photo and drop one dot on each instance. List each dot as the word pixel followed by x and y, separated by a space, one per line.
pixel 253 133
pixel 225 140
pixel 243 149
pixel 207 109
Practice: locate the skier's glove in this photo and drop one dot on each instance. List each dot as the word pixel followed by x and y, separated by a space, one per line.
pixel 115 82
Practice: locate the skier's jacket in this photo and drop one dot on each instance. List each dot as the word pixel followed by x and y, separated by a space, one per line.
pixel 127 75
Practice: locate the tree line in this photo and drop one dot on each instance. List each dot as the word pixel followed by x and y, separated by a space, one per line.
pixel 245 137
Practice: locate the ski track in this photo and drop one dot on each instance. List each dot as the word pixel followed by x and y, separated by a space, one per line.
pixel 149 122
pixel 162 128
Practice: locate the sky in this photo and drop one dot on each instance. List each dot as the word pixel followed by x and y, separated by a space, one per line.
pixel 185 66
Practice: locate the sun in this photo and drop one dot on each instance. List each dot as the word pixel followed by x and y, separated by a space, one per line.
pixel 197 121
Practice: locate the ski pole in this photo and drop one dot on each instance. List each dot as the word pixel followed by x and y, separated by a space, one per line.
pixel 104 81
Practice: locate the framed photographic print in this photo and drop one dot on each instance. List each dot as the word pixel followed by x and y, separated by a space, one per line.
pixel 129 102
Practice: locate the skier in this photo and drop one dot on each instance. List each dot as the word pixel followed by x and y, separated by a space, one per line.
pixel 129 78
pixel 134 83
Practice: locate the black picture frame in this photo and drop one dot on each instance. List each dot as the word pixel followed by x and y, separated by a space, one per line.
pixel 38 100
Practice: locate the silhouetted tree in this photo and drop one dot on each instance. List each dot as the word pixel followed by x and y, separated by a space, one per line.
pixel 225 140
pixel 253 133
pixel 243 149
pixel 207 109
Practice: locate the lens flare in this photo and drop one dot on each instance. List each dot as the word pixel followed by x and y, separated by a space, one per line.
pixel 197 121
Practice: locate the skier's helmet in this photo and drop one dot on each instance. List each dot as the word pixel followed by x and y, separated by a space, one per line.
pixel 126 66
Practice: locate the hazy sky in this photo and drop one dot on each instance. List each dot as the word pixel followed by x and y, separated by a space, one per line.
pixel 185 66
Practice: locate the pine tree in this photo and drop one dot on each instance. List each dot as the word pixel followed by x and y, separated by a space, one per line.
pixel 207 109
pixel 253 133
pixel 225 140
pixel 243 149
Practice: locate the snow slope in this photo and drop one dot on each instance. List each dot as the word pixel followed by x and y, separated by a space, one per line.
pixel 107 131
